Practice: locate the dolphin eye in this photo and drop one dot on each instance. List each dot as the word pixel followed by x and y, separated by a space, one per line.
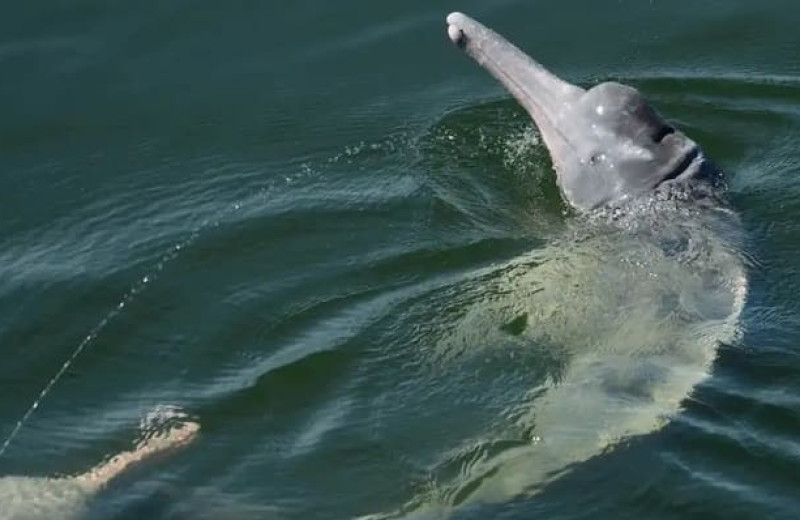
pixel 596 158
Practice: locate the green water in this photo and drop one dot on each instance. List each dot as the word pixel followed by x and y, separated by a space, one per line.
pixel 261 211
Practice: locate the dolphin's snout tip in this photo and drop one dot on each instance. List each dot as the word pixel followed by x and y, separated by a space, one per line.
pixel 455 32
pixel 452 18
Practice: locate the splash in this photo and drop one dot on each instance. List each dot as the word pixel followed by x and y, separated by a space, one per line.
pixel 305 172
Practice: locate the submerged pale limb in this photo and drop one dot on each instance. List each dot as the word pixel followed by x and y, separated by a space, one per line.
pixel 44 498
pixel 103 473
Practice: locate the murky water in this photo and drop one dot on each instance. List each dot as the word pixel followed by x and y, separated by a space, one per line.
pixel 338 246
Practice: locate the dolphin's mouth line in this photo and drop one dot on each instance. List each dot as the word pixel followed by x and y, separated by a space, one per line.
pixel 682 165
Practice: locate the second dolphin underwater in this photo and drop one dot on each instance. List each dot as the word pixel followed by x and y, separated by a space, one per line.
pixel 69 497
pixel 634 299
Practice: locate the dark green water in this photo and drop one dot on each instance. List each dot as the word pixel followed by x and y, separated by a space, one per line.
pixel 260 211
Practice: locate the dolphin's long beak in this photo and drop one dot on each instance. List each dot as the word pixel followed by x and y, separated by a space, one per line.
pixel 538 90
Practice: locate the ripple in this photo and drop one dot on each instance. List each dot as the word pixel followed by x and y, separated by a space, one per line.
pixel 358 325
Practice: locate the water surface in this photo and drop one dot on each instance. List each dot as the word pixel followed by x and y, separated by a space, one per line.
pixel 264 212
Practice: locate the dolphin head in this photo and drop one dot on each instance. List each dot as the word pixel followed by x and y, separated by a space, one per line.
pixel 607 144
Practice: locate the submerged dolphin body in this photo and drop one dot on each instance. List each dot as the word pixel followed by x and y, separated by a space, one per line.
pixel 67 498
pixel 634 300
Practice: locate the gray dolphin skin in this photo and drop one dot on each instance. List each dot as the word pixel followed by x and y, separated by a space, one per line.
pixel 608 145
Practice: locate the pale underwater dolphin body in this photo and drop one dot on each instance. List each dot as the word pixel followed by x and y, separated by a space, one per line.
pixel 68 498
pixel 634 300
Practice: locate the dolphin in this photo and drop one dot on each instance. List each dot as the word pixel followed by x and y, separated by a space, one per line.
pixel 68 498
pixel 607 144
pixel 633 301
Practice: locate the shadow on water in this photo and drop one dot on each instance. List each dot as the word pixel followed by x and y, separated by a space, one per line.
pixel 175 502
